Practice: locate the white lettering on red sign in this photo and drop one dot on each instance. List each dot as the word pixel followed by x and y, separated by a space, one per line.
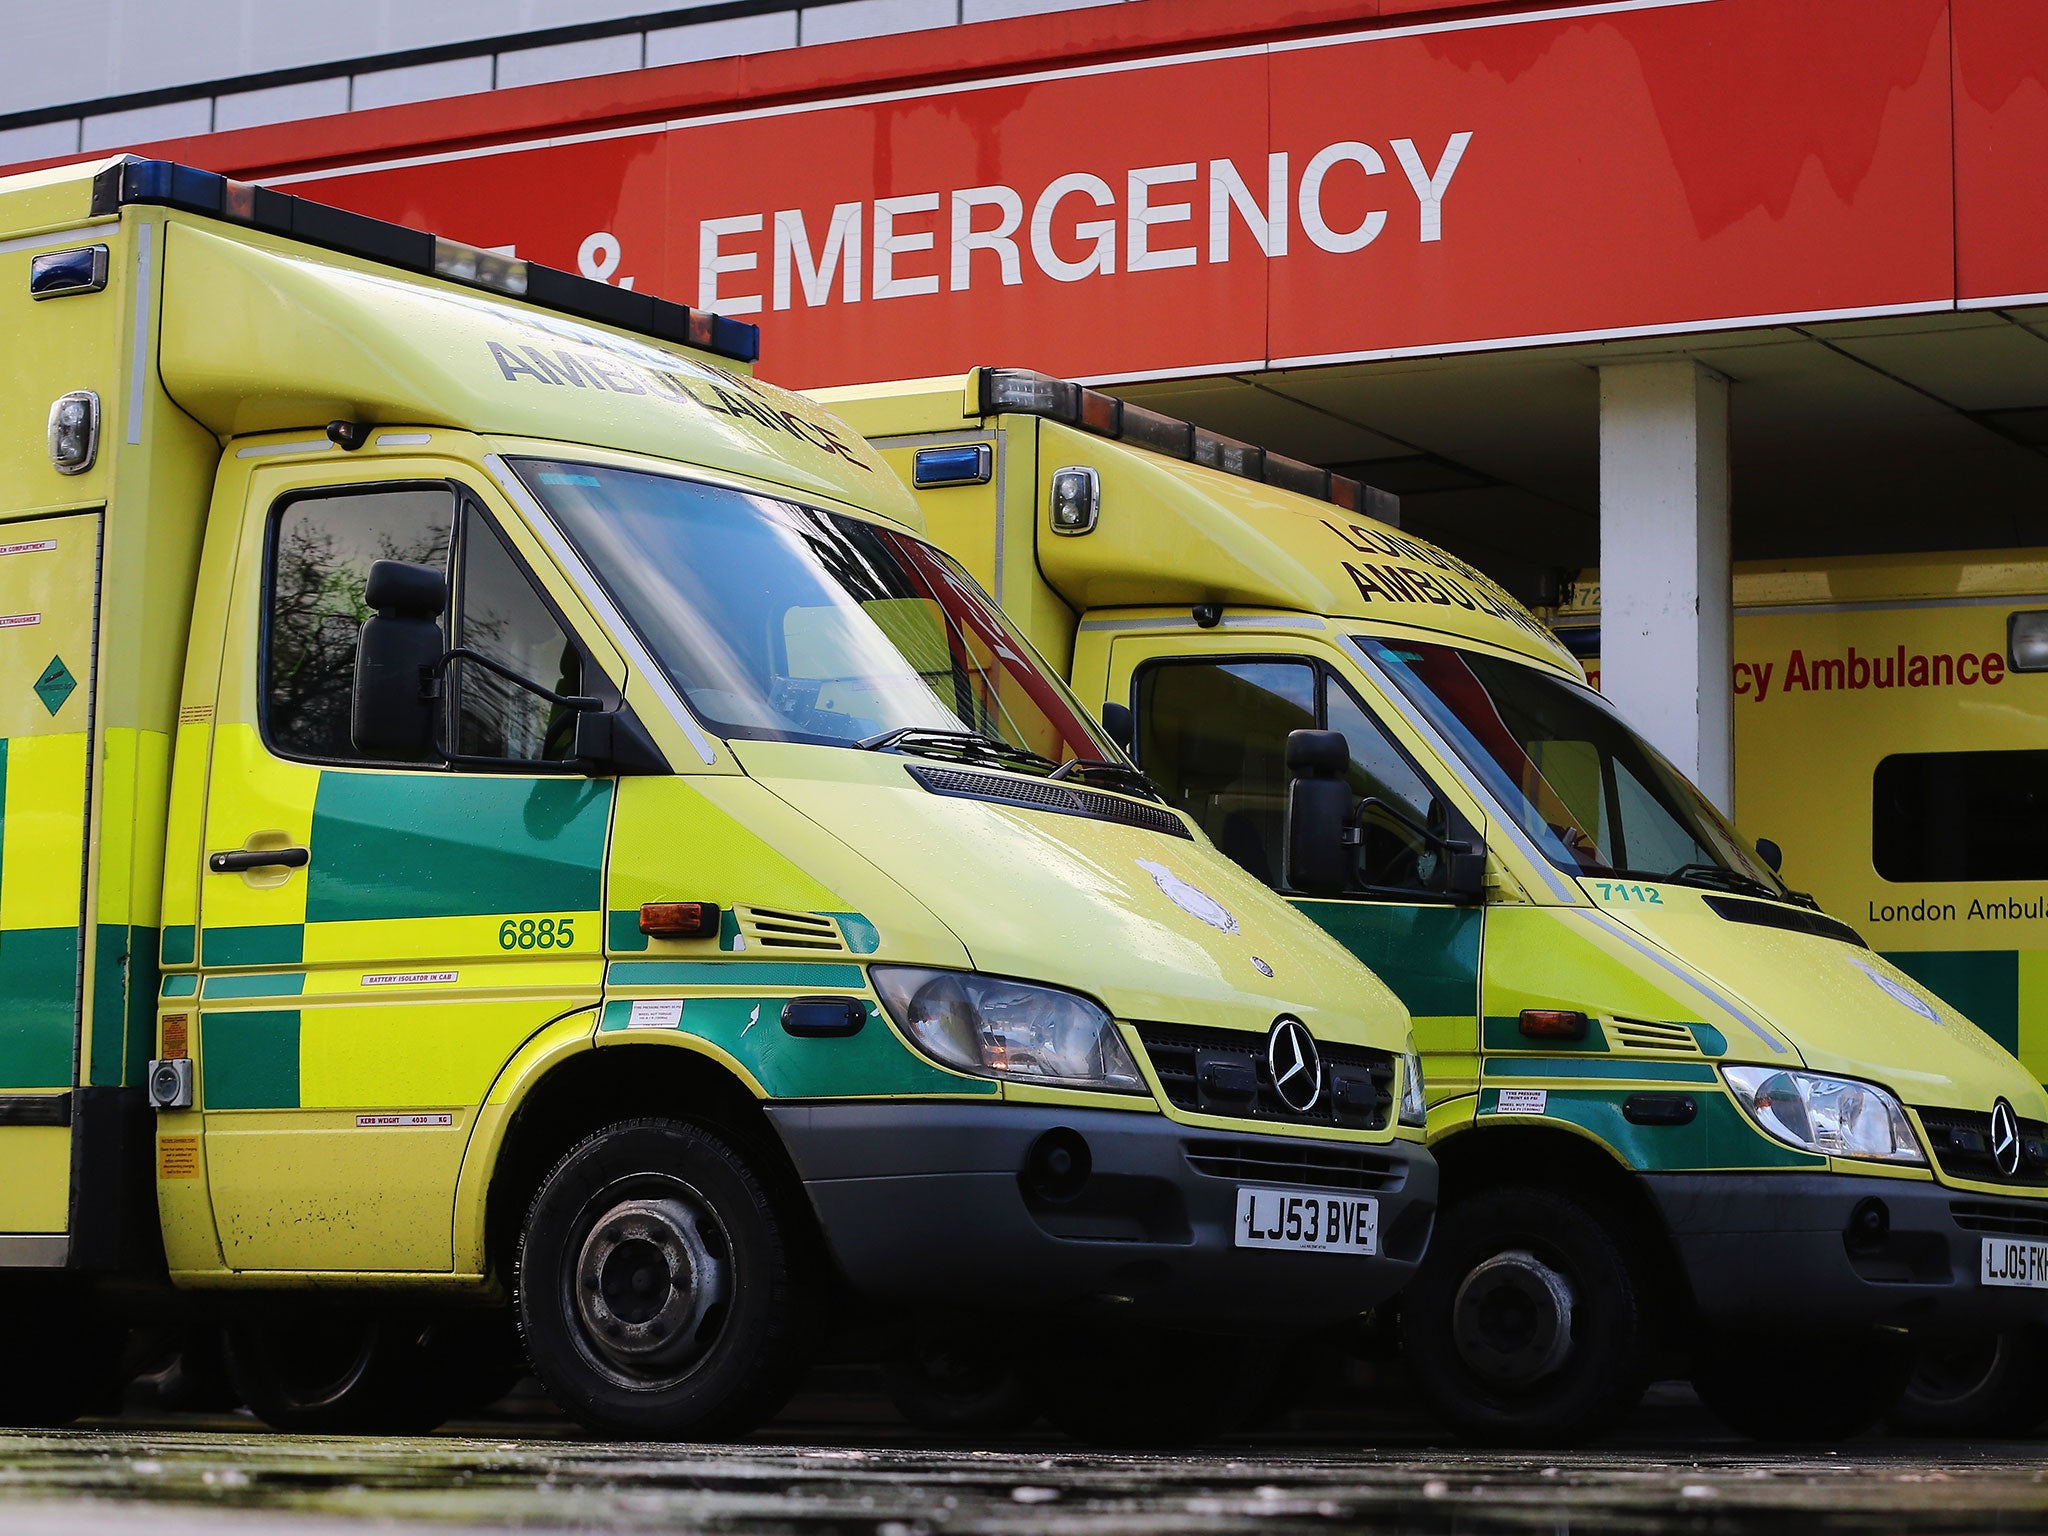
pixel 1076 223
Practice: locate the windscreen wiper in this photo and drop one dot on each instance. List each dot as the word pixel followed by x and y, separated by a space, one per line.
pixel 967 746
pixel 1717 878
pixel 1098 770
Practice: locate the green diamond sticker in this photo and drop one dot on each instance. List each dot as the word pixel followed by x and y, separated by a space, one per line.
pixel 55 685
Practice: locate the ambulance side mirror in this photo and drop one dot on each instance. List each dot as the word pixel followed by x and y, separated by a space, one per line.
pixel 1771 854
pixel 1318 810
pixel 392 711
pixel 1116 723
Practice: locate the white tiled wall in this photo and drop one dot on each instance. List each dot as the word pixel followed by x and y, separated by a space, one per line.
pixel 101 49
pixel 281 103
pixel 568 61
pixel 873 18
pixel 721 39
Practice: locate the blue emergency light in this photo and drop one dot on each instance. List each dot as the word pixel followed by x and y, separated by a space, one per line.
pixel 963 464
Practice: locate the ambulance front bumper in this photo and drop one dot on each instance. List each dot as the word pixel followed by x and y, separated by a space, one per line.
pixel 1838 1251
pixel 962 1204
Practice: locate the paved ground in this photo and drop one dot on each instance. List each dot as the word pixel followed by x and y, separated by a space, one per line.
pixel 222 1478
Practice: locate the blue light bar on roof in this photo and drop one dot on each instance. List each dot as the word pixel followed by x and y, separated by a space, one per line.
pixel 162 183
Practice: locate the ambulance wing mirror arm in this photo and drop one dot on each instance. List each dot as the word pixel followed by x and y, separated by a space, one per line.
pixel 1324 826
pixel 1116 723
pixel 398 656
pixel 1322 835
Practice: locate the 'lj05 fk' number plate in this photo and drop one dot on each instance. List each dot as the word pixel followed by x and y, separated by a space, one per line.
pixel 1307 1221
pixel 2014 1261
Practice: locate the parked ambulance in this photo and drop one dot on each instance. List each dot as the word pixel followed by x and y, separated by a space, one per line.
pixel 1891 736
pixel 1687 1122
pixel 501 805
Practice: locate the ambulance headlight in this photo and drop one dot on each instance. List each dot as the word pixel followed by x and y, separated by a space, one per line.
pixel 2026 641
pixel 75 432
pixel 1833 1116
pixel 994 1027
pixel 1414 1107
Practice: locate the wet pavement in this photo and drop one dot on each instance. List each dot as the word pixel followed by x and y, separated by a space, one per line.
pixel 223 1477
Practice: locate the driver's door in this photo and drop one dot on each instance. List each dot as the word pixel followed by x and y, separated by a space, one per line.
pixel 1211 724
pixel 376 938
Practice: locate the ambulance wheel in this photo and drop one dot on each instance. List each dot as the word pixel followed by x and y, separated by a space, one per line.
pixel 1789 1388
pixel 1986 1385
pixel 315 1370
pixel 64 1359
pixel 665 1288
pixel 1526 1323
pixel 948 1377
pixel 1147 1388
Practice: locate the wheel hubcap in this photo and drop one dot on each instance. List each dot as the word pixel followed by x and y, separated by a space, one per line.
pixel 1952 1371
pixel 1512 1319
pixel 647 1282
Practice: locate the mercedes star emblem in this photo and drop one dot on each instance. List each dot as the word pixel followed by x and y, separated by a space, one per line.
pixel 2005 1138
pixel 1297 1069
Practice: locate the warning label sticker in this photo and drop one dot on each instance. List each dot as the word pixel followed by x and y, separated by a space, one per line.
pixel 177 1157
pixel 177 1031
pixel 1522 1101
pixel 400 1122
pixel 19 620
pixel 655 1015
pixel 409 978
pixel 28 549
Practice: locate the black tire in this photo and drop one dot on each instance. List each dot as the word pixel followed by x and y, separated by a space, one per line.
pixel 64 1358
pixel 947 1377
pixel 1988 1385
pixel 1527 1322
pixel 1788 1389
pixel 479 1357
pixel 665 1288
pixel 1147 1388
pixel 190 1375
pixel 316 1370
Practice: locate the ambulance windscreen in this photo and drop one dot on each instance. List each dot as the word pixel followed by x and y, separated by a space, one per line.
pixel 1592 794
pixel 782 622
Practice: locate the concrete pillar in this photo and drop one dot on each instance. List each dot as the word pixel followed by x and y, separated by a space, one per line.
pixel 1665 595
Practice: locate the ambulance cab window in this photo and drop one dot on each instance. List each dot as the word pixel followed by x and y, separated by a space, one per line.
pixel 503 617
pixel 1213 738
pixel 1960 816
pixel 322 548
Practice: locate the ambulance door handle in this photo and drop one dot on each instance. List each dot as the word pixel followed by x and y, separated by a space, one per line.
pixel 258 858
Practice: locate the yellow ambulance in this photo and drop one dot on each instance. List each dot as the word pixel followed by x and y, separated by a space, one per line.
pixel 500 807
pixel 1891 736
pixel 1688 1123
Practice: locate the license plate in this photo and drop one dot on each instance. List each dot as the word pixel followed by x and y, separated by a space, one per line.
pixel 2014 1261
pixel 1307 1221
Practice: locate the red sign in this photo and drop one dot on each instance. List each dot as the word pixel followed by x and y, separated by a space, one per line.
pixel 1635 167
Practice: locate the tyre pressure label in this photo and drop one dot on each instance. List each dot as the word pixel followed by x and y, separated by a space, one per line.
pixel 1307 1221
pixel 2013 1261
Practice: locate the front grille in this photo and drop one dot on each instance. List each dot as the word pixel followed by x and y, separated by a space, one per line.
pixel 767 928
pixel 1225 1072
pixel 1318 1165
pixel 1961 1140
pixel 1643 1035
pixel 1045 795
pixel 1999 1220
